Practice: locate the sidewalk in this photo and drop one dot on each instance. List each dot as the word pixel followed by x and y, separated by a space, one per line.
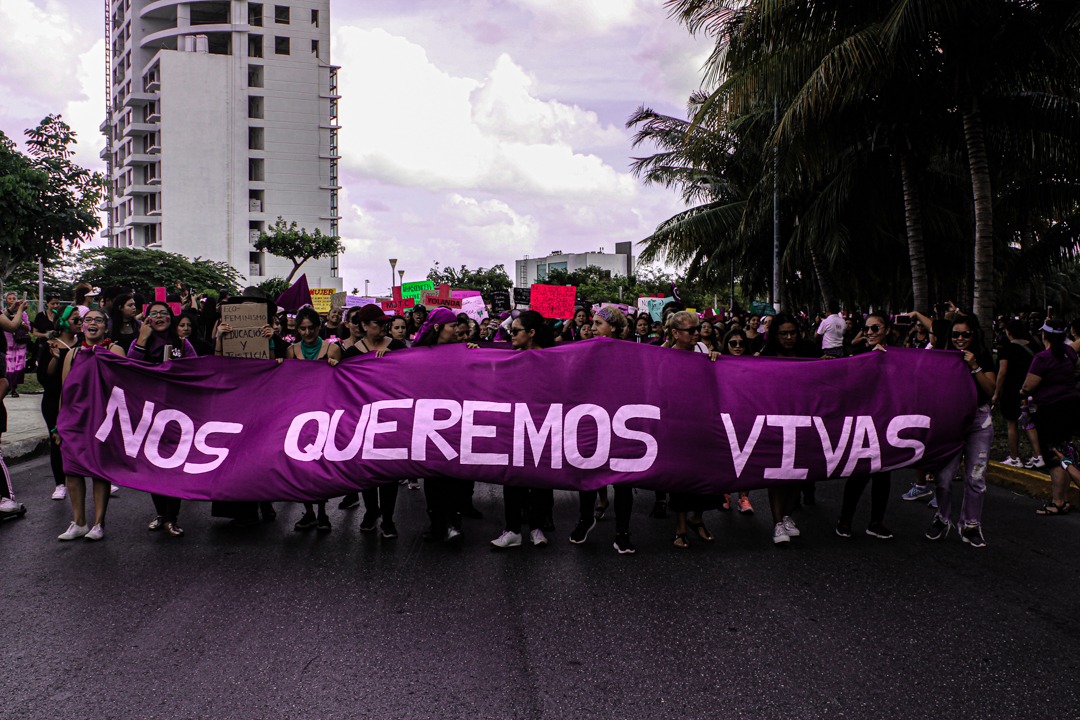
pixel 27 437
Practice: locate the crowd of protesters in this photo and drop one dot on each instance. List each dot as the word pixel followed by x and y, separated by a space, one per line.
pixel 1026 368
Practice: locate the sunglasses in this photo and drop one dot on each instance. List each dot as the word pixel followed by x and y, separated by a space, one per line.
pixel 735 343
pixel 691 330
pixel 872 328
pixel 515 331
pixel 966 334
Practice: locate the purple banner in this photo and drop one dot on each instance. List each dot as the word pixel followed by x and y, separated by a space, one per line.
pixel 577 416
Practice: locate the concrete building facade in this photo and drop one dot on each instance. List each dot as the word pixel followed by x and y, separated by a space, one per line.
pixel 223 116
pixel 535 270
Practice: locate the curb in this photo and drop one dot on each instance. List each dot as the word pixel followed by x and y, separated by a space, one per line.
pixel 22 451
pixel 1028 482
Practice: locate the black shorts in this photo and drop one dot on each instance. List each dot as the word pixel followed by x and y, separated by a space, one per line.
pixel 1057 423
pixel 1009 405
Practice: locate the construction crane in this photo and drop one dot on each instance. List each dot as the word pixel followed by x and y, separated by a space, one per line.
pixel 108 120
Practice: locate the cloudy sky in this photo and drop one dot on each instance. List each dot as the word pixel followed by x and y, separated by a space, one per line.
pixel 475 131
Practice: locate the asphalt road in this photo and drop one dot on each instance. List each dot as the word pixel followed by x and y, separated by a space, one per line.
pixel 268 623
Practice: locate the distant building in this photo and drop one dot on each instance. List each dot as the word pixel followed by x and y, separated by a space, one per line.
pixel 222 116
pixel 535 270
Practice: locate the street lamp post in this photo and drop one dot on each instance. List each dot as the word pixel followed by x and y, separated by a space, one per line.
pixel 401 277
pixel 365 288
pixel 393 267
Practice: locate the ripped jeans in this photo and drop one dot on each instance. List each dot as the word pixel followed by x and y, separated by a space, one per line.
pixel 977 440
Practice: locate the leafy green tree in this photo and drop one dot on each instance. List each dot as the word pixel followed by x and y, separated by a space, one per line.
pixel 289 241
pixel 143 270
pixel 273 287
pixel 46 199
pixel 485 280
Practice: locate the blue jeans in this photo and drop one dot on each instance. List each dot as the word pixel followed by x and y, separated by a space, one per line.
pixel 977 440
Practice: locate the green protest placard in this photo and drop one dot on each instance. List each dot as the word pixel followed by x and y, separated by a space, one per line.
pixel 415 289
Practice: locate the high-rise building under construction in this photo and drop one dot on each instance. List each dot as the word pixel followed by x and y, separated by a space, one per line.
pixel 222 116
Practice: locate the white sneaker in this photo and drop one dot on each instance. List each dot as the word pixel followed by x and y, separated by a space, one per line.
pixel 1035 461
pixel 507 540
pixel 114 490
pixel 8 505
pixel 1012 462
pixel 780 534
pixel 96 533
pixel 60 492
pixel 538 538
pixel 74 532
pixel 789 527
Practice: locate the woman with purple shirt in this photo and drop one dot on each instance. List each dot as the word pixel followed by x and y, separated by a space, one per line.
pixel 157 343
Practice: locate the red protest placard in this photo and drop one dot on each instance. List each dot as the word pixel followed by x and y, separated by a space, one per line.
pixel 553 301
pixel 442 298
pixel 398 305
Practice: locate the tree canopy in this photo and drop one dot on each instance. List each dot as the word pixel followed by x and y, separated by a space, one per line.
pixel 288 240
pixel 484 280
pixel 143 270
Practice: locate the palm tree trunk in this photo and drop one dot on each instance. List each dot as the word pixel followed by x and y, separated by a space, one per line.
pixel 979 167
pixel 916 249
pixel 825 282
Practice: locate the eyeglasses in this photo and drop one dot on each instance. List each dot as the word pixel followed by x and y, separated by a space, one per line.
pixel 515 331
pixel 157 314
pixel 734 343
pixel 872 328
pixel 966 334
pixel 691 330
pixel 93 321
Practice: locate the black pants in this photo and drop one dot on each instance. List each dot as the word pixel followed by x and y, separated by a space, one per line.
pixel 382 500
pixel 50 410
pixel 624 505
pixel 533 504
pixel 167 507
pixel 879 496
pixel 445 499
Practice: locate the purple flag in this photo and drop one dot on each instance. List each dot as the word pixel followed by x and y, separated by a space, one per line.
pixel 296 297
pixel 577 416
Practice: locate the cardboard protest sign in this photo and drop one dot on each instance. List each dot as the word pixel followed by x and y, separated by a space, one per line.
pixel 337 300
pixel 553 301
pixel 442 298
pixel 415 290
pixel 500 301
pixel 355 301
pixel 655 307
pixel 245 339
pixel 474 307
pixel 320 299
pixel 521 296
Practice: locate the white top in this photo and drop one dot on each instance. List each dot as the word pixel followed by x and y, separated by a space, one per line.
pixel 831 331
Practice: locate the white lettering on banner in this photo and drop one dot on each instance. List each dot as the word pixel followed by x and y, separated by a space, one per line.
pixel 470 430
pixel 864 446
pixel 426 427
pixel 151 429
pixel 314 450
pixel 330 449
pixel 603 437
pixel 525 429
pixel 892 436
pixel 740 455
pixel 787 469
pixel 618 426
pixel 377 428
pixel 833 455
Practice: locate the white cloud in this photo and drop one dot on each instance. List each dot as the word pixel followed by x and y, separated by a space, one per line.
pixel 409 123
pixel 594 15
pixel 492 225
pixel 35 79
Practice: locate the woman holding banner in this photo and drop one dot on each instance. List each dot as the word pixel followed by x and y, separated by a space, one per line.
pixel 608 322
pixel 446 497
pixel 95 339
pixel 312 347
pixel 528 331
pixel 371 322
pixel 737 344
pixel 685 329
pixel 158 343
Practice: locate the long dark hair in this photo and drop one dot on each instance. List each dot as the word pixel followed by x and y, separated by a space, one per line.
pixel 116 317
pixel 772 342
pixel 533 320
pixel 731 335
pixel 170 332
pixel 978 342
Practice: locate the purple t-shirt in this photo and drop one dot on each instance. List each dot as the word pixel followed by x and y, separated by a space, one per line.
pixel 1058 376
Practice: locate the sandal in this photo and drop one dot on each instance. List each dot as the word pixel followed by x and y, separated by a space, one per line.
pixel 702 531
pixel 681 541
pixel 1052 509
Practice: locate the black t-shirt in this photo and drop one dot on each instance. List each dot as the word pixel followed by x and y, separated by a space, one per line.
pixel 986 362
pixel 1019 358
pixel 355 350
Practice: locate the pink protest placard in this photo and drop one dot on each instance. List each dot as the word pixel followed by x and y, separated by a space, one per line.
pixel 443 298
pixel 553 301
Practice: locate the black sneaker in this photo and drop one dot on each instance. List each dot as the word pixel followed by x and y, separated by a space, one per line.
pixel 434 533
pixel 306 522
pixel 973 536
pixel 623 544
pixel 349 501
pixel 388 529
pixel 323 524
pixel 939 529
pixel 472 513
pixel 843 530
pixel 878 530
pixel 371 517
pixel 581 532
pixel 659 510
